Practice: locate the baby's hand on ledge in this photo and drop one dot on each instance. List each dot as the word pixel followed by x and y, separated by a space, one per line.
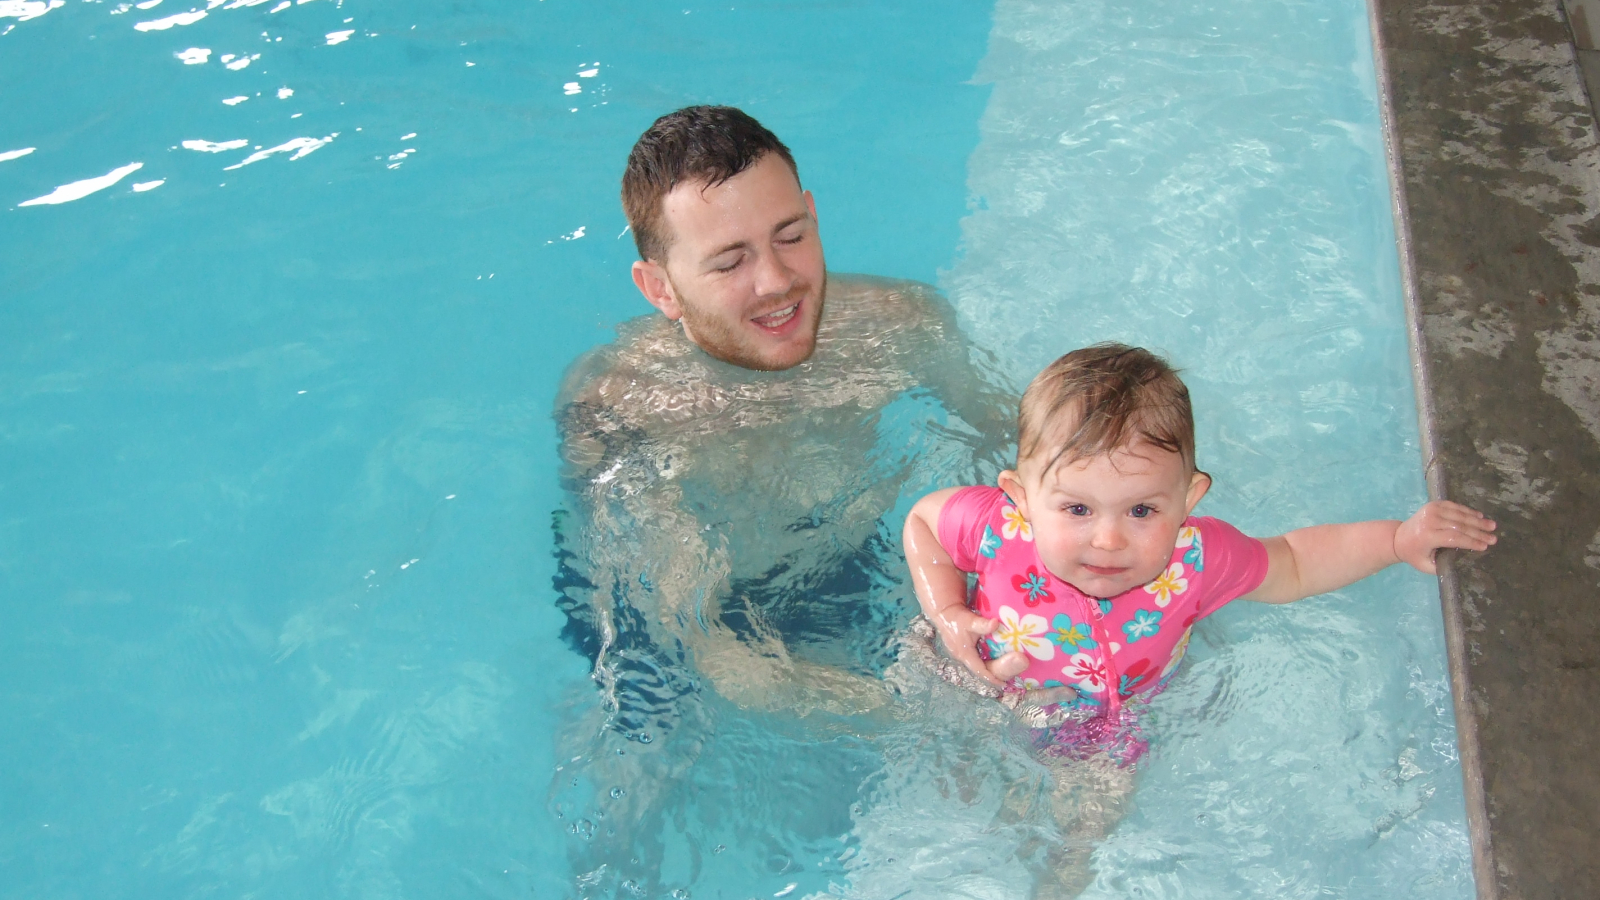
pixel 1437 525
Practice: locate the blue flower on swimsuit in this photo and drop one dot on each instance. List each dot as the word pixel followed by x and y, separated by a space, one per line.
pixel 1071 635
pixel 1196 555
pixel 1144 623
pixel 990 542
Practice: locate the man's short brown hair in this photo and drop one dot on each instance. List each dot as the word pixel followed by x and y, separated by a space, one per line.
pixel 1101 399
pixel 704 144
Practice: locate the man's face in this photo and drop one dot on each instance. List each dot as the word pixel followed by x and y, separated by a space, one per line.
pixel 1108 523
pixel 744 269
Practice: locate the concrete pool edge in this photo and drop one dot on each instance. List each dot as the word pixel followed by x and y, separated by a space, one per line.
pixel 1496 186
pixel 1454 625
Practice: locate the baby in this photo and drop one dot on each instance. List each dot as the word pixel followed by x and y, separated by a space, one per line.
pixel 1091 570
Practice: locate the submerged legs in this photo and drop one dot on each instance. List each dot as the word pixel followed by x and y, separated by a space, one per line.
pixel 1058 815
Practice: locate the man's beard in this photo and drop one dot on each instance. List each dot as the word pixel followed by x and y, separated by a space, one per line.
pixel 734 346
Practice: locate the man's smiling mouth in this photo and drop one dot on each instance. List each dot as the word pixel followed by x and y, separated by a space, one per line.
pixel 778 319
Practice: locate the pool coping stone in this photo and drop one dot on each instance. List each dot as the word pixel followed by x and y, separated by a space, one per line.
pixel 1495 166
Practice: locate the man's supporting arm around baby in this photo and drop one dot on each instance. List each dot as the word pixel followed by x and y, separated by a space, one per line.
pixel 1322 558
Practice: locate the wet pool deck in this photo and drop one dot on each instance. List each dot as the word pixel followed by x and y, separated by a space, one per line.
pixel 1493 146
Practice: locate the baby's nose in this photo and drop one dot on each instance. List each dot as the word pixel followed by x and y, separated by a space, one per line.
pixel 1108 536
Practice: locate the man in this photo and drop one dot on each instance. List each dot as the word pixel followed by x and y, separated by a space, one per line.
pixel 730 462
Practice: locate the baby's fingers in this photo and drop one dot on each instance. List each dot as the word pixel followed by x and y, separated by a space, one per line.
pixel 961 630
pixel 1438 525
pixel 1462 528
pixel 1450 506
pixel 1463 538
pixel 1455 513
pixel 1009 666
pixel 959 620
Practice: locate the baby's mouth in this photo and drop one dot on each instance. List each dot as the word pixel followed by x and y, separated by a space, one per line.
pixel 779 318
pixel 1105 570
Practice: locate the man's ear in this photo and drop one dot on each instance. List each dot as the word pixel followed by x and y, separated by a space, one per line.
pixel 1199 483
pixel 1010 482
pixel 650 277
pixel 811 204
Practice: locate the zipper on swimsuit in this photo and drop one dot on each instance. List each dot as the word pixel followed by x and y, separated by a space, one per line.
pixel 1113 677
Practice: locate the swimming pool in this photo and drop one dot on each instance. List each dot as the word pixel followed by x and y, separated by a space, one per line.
pixel 279 466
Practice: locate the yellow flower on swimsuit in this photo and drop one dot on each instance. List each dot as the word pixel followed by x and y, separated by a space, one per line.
pixel 1015 524
pixel 1168 584
pixel 1027 634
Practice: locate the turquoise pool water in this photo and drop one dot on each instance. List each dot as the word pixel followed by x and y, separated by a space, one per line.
pixel 277 464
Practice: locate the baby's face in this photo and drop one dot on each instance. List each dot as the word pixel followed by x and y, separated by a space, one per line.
pixel 1107 524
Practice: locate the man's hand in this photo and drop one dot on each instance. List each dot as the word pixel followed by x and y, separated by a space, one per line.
pixel 1441 524
pixel 960 629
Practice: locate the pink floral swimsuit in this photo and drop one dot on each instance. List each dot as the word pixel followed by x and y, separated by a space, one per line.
pixel 1108 650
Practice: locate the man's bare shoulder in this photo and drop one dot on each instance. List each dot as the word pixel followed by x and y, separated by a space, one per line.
pixel 651 381
pixel 597 407
pixel 891 297
pixel 884 306
pixel 645 350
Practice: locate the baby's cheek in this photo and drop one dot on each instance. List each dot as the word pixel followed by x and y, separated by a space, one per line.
pixel 1057 562
pixel 1151 568
pixel 1157 552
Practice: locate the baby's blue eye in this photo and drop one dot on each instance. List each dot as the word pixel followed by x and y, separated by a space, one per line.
pixel 1140 511
pixel 1077 509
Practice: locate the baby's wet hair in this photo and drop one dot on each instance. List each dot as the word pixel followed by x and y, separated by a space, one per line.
pixel 1101 399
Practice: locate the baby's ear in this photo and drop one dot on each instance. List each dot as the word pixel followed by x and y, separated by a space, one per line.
pixel 1199 483
pixel 1010 482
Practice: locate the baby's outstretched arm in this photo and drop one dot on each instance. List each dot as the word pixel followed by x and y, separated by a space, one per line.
pixel 942 590
pixel 1322 558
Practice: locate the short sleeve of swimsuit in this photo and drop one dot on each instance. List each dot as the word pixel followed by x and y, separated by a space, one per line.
pixel 963 521
pixel 1237 563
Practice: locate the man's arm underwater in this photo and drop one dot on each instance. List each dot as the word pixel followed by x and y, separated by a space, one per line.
pixel 654 575
pixel 962 377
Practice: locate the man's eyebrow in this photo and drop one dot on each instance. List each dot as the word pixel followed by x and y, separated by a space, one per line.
pixel 790 221
pixel 724 249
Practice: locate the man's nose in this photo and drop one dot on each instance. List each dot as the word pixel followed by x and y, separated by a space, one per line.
pixel 773 276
